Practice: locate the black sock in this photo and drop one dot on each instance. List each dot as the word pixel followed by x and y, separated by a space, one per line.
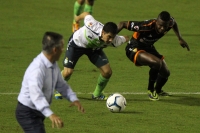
pixel 160 83
pixel 153 73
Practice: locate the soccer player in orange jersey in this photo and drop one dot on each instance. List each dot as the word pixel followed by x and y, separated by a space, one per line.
pixel 141 50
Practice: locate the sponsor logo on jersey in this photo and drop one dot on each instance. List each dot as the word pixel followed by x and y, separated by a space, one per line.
pixel 135 50
pixel 66 60
pixel 71 62
pixel 130 49
pixel 90 24
pixel 136 27
pixel 132 24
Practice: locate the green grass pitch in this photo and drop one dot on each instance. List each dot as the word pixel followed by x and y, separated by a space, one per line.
pixel 22 25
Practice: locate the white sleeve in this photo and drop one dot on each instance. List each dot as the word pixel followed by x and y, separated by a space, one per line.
pixel 66 91
pixel 92 24
pixel 118 40
pixel 35 84
pixel 88 19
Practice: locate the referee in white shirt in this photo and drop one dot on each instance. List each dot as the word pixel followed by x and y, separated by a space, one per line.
pixel 40 79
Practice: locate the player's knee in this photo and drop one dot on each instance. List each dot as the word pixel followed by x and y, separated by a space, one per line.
pixel 107 73
pixel 164 71
pixel 67 72
pixel 168 73
pixel 156 64
pixel 81 2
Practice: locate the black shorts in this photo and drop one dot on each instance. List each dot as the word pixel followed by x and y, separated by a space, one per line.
pixel 134 47
pixel 73 53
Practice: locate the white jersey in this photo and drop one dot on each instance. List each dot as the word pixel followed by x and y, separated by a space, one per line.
pixel 88 35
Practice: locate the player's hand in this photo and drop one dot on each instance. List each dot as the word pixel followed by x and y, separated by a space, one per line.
pixel 127 38
pixel 78 104
pixel 56 121
pixel 184 44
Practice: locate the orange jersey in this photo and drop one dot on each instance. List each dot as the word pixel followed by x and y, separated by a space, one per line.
pixel 145 31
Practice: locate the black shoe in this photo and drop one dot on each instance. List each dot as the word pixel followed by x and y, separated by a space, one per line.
pixel 165 94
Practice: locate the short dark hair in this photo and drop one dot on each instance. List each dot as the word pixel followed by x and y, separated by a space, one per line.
pixel 51 40
pixel 110 27
pixel 164 15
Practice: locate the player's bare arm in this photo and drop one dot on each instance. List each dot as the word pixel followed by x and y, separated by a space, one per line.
pixel 182 42
pixel 81 16
pixel 122 25
pixel 127 38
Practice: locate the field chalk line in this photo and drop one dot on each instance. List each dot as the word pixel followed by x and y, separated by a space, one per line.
pixel 126 93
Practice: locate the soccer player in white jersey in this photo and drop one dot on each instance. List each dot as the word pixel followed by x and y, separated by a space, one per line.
pixel 90 40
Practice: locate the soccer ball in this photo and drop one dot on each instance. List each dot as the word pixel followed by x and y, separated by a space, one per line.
pixel 116 102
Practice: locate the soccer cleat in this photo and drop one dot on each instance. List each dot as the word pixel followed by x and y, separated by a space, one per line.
pixel 162 93
pixel 101 97
pixel 153 95
pixel 75 27
pixel 58 95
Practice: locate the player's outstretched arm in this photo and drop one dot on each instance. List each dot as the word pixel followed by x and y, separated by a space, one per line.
pixel 182 42
pixel 121 25
pixel 127 38
pixel 81 16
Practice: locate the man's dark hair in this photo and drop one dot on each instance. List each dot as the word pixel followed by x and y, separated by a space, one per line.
pixel 110 27
pixel 51 40
pixel 164 15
